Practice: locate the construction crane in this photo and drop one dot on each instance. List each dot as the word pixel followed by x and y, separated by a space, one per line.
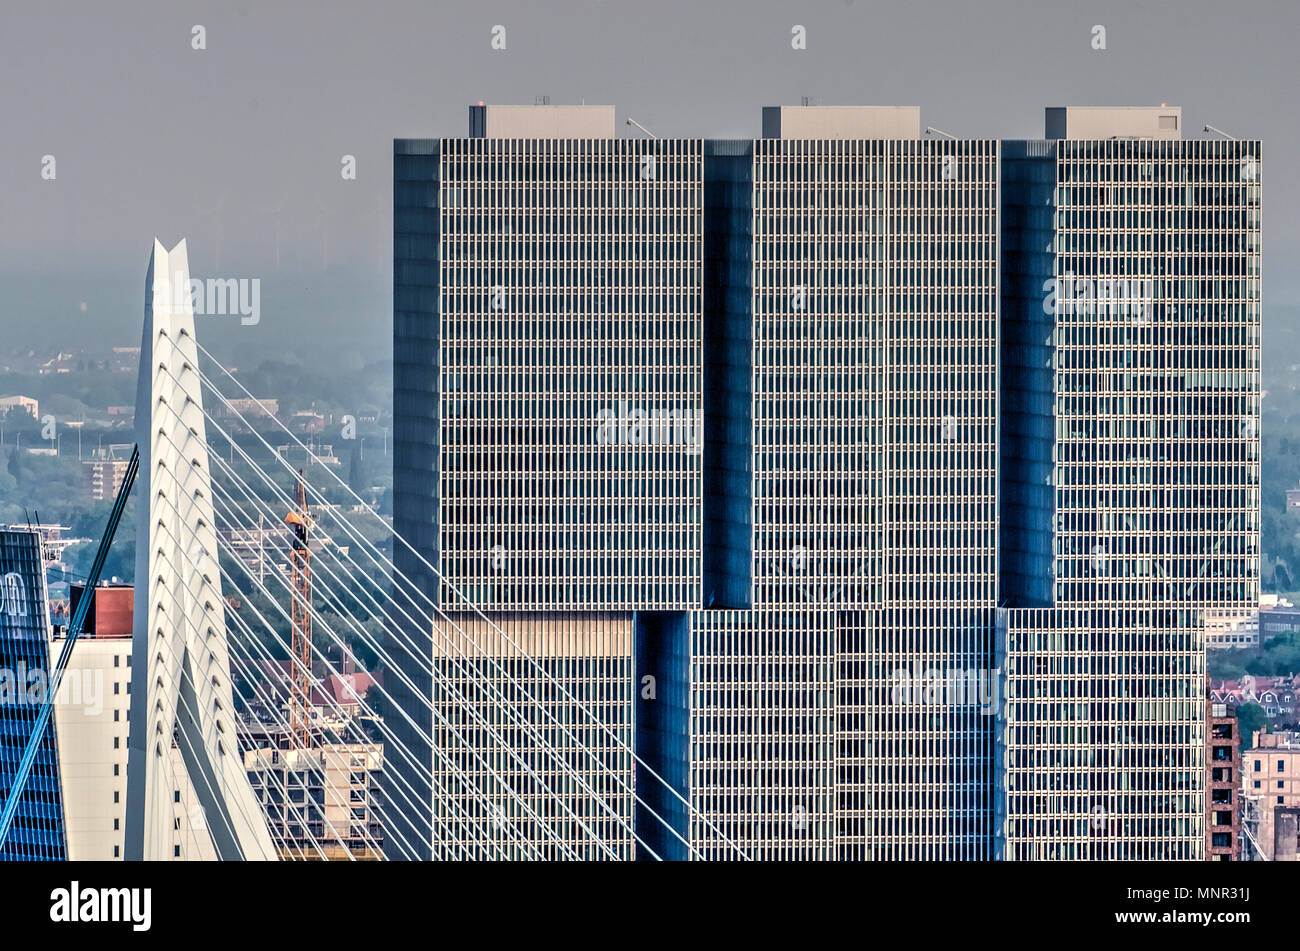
pixel 300 662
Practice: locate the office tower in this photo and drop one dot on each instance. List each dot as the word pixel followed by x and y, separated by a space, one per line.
pixel 871 321
pixel 548 371
pixel 979 461
pixel 566 352
pixel 490 698
pixel 1130 472
pixel 37 831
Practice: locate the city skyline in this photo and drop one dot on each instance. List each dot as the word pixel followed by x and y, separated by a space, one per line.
pixel 273 137
pixel 832 438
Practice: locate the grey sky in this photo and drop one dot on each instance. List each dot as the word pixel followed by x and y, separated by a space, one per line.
pixel 151 136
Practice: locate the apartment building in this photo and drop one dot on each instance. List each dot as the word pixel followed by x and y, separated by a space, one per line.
pixel 1271 774
pixel 1223 784
pixel 321 802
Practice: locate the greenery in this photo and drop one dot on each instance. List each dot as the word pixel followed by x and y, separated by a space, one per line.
pixel 1250 717
pixel 1276 657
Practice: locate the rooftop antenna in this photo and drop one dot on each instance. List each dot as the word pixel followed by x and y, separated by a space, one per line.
pixel 1210 128
pixel 631 121
pixel 931 130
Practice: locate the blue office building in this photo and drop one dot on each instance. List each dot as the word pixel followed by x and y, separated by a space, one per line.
pixel 37 833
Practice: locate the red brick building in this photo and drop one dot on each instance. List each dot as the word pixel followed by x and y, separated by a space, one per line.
pixel 1222 785
pixel 111 613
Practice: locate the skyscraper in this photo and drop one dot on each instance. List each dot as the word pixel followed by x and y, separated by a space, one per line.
pixel 1130 472
pixel 977 457
pixel 869 322
pixel 549 333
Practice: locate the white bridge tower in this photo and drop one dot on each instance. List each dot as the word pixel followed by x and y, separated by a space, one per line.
pixel 180 665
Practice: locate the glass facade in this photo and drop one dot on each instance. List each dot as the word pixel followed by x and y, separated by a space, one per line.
pixel 37 832
pixel 532 758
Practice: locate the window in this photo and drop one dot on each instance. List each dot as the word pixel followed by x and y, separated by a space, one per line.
pixel 1280 785
pixel 176 851
pixel 1257 766
pixel 117 851
pixel 176 795
pixel 1281 766
pixel 1257 784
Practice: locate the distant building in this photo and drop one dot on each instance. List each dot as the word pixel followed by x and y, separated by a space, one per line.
pixel 307 422
pixel 322 802
pixel 1233 629
pixel 19 402
pixel 1272 774
pixel 248 407
pixel 1279 617
pixel 1222 785
pixel 315 452
pixel 102 475
pixel 126 359
pixel 1277 695
pixel 1293 500
pixel 63 363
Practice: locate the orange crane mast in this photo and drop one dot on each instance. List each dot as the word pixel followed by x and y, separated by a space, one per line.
pixel 300 672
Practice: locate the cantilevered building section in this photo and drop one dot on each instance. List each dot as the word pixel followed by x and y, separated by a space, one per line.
pixel 563 324
pixel 1130 468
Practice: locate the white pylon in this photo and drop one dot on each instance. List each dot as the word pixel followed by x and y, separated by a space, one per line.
pixel 180 666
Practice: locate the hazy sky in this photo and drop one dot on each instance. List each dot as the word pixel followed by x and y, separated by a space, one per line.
pixel 222 145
